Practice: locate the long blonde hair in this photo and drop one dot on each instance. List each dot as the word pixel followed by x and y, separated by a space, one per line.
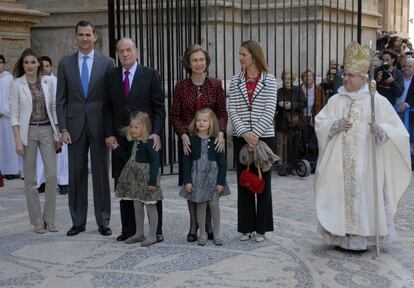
pixel 144 120
pixel 213 130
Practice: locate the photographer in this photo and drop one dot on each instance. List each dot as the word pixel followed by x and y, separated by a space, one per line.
pixel 390 80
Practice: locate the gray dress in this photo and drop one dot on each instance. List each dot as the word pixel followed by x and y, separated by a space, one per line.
pixel 204 179
pixel 133 181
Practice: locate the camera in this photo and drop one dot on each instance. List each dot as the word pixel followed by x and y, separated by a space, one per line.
pixel 385 74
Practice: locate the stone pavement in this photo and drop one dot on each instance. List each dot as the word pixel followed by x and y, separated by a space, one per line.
pixel 292 256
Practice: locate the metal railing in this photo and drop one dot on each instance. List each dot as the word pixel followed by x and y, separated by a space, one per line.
pixel 295 34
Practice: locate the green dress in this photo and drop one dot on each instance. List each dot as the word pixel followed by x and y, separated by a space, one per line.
pixel 141 171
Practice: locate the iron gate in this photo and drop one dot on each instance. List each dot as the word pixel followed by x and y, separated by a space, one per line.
pixel 295 34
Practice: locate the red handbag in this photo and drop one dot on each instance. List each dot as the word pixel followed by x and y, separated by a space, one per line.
pixel 252 182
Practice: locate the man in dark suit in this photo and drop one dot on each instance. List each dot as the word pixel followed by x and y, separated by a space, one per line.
pixel 80 98
pixel 407 98
pixel 131 87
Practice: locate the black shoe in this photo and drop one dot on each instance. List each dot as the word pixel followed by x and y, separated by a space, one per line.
pixel 210 236
pixel 191 237
pixel 160 238
pixel 75 230
pixel 104 230
pixel 41 188
pixel 122 237
pixel 63 189
pixel 11 177
pixel 354 252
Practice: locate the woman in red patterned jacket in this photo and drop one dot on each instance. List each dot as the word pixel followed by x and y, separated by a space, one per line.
pixel 190 95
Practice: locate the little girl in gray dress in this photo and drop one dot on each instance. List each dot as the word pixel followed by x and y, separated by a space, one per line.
pixel 140 178
pixel 204 172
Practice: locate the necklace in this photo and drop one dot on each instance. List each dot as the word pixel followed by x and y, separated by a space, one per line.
pixel 32 83
pixel 250 80
pixel 198 83
pixel 199 102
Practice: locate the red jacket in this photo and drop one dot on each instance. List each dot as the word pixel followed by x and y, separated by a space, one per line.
pixel 184 103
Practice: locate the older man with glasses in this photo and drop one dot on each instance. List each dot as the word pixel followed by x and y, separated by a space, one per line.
pixel 407 98
pixel 344 175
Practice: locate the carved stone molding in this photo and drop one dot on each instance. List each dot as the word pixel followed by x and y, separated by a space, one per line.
pixel 15 23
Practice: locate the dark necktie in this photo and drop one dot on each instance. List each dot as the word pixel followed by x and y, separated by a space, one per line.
pixel 126 83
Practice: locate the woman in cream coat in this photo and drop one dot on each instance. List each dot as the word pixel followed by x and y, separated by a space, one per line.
pixel 34 123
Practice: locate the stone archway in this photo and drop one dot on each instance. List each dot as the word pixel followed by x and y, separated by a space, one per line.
pixel 15 24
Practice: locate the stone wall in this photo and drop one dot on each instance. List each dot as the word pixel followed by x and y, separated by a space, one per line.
pixel 15 27
pixel 54 36
pixel 323 24
pixel 286 44
pixel 395 15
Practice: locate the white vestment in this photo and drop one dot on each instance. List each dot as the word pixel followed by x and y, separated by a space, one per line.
pixel 9 160
pixel 344 173
pixel 62 167
pixel 61 158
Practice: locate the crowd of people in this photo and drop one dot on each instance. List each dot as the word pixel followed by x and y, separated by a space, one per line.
pixel 92 107
pixel 394 73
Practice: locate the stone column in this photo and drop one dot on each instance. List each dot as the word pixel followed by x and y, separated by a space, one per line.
pixel 396 16
pixel 15 24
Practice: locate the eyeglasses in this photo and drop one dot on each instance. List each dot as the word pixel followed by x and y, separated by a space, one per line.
pixel 350 75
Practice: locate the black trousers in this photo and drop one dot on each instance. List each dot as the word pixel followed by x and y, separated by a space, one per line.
pixel 252 217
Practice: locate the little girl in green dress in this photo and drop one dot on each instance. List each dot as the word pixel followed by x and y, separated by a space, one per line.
pixel 140 177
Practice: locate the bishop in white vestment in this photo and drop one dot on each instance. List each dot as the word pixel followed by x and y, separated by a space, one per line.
pixel 345 174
